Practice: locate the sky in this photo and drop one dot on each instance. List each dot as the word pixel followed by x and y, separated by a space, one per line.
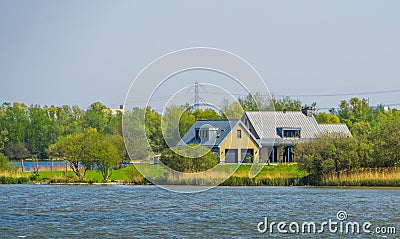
pixel 79 52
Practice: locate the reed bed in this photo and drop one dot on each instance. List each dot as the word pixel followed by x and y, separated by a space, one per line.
pixel 364 177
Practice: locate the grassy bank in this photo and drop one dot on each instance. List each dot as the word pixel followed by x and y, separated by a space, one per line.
pixel 269 175
pixel 125 175
pixel 281 175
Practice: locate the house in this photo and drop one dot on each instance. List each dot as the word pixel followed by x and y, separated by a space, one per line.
pixel 277 132
pixel 267 136
pixel 229 140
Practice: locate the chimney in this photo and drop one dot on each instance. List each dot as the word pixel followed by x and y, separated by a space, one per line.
pixel 307 110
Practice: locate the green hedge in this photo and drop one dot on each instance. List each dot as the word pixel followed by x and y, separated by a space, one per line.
pixel 11 180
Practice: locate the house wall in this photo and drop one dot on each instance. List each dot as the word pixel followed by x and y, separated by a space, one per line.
pixel 233 142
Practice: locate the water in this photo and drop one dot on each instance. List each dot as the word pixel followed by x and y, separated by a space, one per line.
pixel 49 211
pixel 30 165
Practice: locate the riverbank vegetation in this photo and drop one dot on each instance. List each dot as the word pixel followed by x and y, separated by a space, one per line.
pixel 92 138
pixel 339 160
pixel 281 175
pixel 269 176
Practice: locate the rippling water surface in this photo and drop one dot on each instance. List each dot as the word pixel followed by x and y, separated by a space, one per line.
pixel 48 211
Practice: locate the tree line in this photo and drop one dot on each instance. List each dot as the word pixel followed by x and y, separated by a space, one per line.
pixel 43 132
pixel 27 132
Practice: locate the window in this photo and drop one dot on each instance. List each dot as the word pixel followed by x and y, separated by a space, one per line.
pixel 239 134
pixel 204 133
pixel 291 133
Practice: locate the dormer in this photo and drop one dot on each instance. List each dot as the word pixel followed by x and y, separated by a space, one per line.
pixel 293 133
pixel 206 132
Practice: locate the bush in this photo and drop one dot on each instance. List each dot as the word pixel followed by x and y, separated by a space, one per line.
pixel 187 159
pixel 22 180
pixel 328 154
pixel 11 180
pixel 34 176
pixel 5 163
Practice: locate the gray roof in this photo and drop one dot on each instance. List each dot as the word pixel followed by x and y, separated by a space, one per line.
pixel 265 123
pixel 222 127
pixel 335 129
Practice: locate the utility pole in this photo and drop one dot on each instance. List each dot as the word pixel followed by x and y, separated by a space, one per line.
pixel 196 95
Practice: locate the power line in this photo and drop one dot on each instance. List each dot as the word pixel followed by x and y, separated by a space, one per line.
pixel 342 94
pixel 318 95
pixel 391 104
pixel 198 99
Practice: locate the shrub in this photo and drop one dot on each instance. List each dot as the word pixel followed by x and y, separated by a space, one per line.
pixel 189 159
pixel 5 163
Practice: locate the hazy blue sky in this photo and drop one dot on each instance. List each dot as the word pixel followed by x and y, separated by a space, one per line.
pixel 78 52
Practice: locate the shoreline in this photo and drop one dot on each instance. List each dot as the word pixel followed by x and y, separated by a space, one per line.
pixel 281 175
pixel 185 185
pixel 236 186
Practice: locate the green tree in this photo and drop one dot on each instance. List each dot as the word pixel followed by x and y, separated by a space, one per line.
pixel 287 103
pixel 232 111
pixel 118 141
pixel 3 130
pixel 204 114
pixel 55 129
pixel 353 111
pixel 97 116
pixel 114 124
pixel 3 138
pixel 361 129
pixel 153 130
pixel 137 141
pixel 69 120
pixel 16 151
pixel 328 154
pixel 79 149
pixel 325 118
pixel 15 121
pixel 76 120
pixel 386 142
pixel 176 122
pixel 38 133
pixel 106 156
pixel 187 119
pixel 256 102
